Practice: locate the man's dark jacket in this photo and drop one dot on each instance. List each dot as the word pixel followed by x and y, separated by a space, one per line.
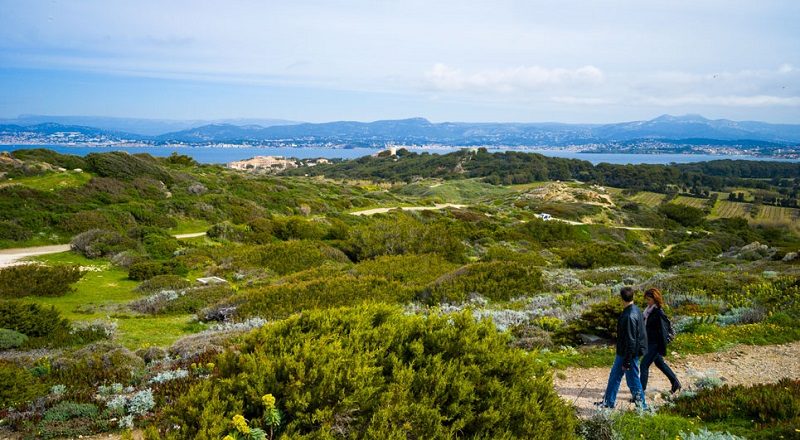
pixel 631 334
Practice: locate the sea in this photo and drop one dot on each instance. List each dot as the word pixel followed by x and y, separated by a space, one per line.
pixel 225 154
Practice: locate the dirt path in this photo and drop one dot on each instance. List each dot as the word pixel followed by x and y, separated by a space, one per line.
pixel 10 256
pixel 407 208
pixel 740 365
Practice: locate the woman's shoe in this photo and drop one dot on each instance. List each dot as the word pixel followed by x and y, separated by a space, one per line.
pixel 675 388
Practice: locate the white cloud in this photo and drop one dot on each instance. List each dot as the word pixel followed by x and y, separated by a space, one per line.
pixel 728 101
pixel 578 100
pixel 524 78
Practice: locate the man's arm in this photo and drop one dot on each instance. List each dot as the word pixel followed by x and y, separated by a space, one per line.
pixel 630 341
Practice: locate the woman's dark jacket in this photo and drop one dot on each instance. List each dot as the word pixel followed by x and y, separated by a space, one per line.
pixel 631 334
pixel 657 330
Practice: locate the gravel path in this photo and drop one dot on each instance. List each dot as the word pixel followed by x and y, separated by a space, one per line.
pixel 740 365
pixel 407 208
pixel 9 257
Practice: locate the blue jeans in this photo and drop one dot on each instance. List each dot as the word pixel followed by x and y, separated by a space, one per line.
pixel 649 358
pixel 632 379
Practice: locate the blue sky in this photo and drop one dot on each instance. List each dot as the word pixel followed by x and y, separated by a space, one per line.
pixel 570 61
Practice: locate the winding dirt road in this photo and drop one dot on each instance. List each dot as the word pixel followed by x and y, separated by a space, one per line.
pixel 9 257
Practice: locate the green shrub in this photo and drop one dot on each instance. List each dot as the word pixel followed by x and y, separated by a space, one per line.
pixel 96 364
pixel 163 282
pixel 298 228
pixel 596 254
pixel 124 166
pixel 160 246
pixel 145 270
pixel 18 385
pixel 280 301
pixel 107 220
pixel 228 231
pixel 400 234
pixel 10 230
pixel 296 255
pixel 96 243
pixel 548 232
pixel 66 410
pixel 599 320
pixel 411 269
pixel 496 280
pixel 11 339
pixel 38 280
pixel 32 320
pixel 377 372
pixel 762 411
pixel 682 214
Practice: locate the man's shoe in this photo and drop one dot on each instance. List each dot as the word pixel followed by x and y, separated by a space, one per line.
pixel 601 404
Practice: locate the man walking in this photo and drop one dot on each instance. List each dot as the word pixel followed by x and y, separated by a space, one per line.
pixel 631 344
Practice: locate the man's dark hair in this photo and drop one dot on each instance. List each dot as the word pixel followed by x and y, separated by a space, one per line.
pixel 626 293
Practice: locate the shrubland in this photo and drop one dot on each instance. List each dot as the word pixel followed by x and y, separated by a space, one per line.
pixel 430 324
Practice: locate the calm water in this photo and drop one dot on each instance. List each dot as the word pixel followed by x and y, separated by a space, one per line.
pixel 224 155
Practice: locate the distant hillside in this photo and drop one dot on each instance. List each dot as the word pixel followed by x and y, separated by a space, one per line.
pixel 419 130
pixel 674 132
pixel 139 126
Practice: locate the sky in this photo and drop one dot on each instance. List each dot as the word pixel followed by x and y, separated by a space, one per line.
pixel 592 61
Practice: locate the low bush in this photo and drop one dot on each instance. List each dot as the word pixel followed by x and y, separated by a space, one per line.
pixel 296 255
pixel 10 230
pixel 596 254
pixel 96 364
pixel 11 339
pixel 411 269
pixel 228 231
pixel 96 243
pixel 496 280
pixel 18 385
pixel 124 166
pixel 764 411
pixel 376 372
pixel 66 410
pixel 682 214
pixel 400 234
pixel 32 320
pixel 163 282
pixel 145 270
pixel 599 320
pixel 280 301
pixel 38 280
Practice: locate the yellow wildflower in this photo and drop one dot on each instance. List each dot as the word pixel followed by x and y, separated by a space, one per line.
pixel 240 423
pixel 227 437
pixel 269 401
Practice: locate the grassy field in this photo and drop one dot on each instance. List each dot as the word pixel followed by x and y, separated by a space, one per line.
pixel 103 294
pixel 694 202
pixel 190 225
pixel 53 181
pixel 648 198
pixel 726 209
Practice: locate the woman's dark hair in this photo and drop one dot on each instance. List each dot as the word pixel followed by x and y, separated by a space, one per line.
pixel 656 295
pixel 626 293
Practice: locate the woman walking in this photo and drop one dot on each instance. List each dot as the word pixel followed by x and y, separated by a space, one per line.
pixel 656 324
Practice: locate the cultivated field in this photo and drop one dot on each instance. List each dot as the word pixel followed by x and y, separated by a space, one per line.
pixel 648 198
pixel 694 202
pixel 776 214
pixel 726 209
